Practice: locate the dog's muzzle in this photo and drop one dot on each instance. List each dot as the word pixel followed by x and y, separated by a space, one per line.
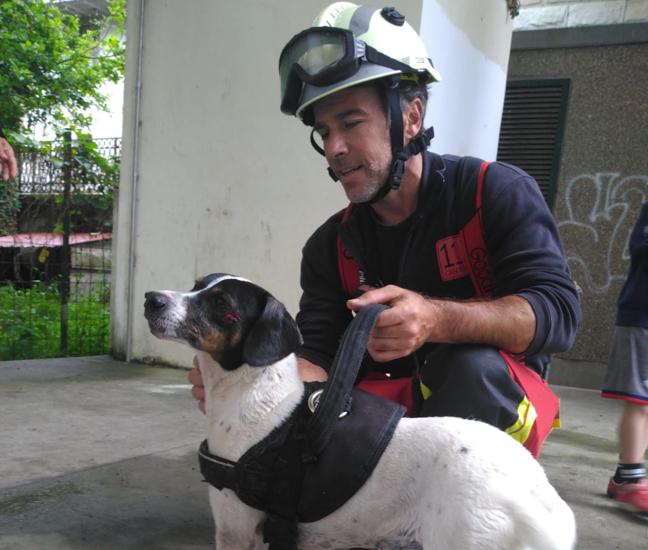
pixel 165 318
pixel 154 303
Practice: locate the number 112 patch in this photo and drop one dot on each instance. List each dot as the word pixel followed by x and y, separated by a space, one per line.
pixel 451 258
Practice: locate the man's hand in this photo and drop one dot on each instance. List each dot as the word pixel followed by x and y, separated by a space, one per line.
pixel 412 319
pixel 401 329
pixel 8 165
pixel 198 389
pixel 308 372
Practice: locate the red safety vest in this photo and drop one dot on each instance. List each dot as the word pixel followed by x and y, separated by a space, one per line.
pixel 472 249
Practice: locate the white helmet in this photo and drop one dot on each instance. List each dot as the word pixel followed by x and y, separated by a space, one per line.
pixel 349 45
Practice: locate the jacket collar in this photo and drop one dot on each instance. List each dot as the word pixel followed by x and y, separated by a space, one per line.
pixel 357 231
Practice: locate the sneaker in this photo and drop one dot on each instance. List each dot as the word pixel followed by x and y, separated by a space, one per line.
pixel 633 495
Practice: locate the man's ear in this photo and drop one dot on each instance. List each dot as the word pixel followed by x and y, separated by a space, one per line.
pixel 412 120
pixel 273 336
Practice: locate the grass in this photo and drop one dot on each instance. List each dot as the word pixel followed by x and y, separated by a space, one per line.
pixel 30 322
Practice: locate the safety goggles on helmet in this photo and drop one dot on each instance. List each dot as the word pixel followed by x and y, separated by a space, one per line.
pixel 321 56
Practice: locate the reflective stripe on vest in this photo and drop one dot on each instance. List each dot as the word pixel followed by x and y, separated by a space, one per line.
pixel 521 428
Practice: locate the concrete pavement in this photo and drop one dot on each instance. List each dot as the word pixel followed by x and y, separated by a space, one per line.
pixel 96 453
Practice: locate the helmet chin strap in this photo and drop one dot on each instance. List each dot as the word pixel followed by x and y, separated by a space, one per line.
pixel 417 145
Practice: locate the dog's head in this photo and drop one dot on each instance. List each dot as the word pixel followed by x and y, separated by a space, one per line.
pixel 232 319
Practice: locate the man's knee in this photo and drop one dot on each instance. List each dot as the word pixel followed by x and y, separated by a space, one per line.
pixel 469 365
pixel 470 381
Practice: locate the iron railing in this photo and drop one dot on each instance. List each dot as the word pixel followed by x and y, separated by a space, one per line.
pixel 41 174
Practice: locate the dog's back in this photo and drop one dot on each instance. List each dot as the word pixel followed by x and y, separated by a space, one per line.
pixel 494 494
pixel 453 483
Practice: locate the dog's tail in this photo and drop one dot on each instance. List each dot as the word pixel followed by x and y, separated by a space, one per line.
pixel 545 523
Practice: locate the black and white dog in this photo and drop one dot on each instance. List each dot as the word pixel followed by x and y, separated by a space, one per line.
pixel 444 483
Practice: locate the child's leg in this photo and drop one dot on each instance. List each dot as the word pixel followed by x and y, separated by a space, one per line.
pixel 633 440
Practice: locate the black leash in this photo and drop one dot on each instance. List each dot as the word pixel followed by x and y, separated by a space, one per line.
pixel 337 395
pixel 335 402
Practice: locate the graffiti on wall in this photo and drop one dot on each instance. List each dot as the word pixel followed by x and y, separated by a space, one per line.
pixel 600 212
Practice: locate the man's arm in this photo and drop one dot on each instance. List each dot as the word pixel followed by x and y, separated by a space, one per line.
pixel 413 320
pixel 8 164
pixel 527 258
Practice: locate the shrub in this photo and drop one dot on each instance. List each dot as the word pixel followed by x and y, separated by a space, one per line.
pixel 30 322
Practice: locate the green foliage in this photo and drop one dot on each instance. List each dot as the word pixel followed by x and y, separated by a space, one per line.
pixel 51 71
pixel 29 325
pixel 89 169
pixel 50 68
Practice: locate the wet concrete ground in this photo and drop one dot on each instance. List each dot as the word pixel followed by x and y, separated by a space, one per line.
pixel 95 453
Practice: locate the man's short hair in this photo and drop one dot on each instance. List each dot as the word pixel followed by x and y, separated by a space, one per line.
pixel 409 91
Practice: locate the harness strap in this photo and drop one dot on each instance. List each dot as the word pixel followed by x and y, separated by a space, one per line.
pixel 472 238
pixel 336 398
pixel 217 471
pixel 267 477
pixel 540 406
pixel 347 266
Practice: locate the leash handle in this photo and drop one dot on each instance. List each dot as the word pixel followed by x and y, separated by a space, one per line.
pixel 337 395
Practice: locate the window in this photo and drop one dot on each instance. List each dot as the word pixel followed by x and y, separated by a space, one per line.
pixel 533 124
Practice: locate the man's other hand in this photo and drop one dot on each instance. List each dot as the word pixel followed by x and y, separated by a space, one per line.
pixel 8 165
pixel 196 380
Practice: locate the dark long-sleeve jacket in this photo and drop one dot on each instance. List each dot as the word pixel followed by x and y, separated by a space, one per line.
pixel 633 299
pixel 524 251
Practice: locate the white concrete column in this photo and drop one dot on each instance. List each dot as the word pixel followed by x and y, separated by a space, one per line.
pixel 469 42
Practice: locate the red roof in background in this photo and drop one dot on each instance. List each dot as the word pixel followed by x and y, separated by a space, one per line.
pixel 49 240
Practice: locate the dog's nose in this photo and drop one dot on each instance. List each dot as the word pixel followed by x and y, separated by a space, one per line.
pixel 155 300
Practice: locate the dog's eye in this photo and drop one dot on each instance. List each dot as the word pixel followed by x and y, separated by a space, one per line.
pixel 218 299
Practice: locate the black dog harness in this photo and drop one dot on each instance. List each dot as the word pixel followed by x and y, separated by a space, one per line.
pixel 310 465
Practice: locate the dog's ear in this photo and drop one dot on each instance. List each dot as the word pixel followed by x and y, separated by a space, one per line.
pixel 273 336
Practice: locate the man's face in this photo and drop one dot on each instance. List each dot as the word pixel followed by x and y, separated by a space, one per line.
pixel 354 132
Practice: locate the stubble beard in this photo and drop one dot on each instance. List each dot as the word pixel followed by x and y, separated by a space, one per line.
pixel 376 176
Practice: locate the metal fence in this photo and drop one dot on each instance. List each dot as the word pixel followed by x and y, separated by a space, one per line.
pixel 55 267
pixel 38 173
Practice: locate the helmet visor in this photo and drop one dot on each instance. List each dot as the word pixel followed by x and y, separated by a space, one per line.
pixel 318 56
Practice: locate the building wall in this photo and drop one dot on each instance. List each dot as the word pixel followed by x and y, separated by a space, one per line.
pixel 469 42
pixel 601 46
pixel 603 173
pixel 544 14
pixel 214 177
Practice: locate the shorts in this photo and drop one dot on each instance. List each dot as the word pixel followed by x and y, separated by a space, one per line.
pixel 627 373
